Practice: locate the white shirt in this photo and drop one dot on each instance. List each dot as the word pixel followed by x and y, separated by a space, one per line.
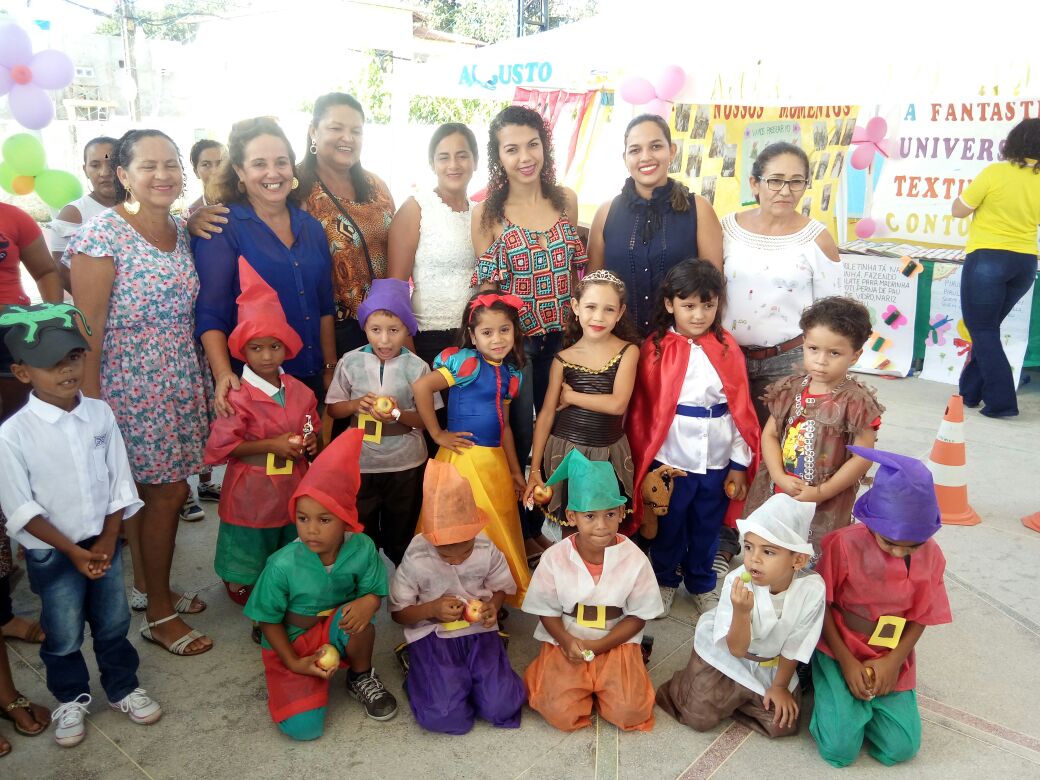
pixel 562 581
pixel 695 444
pixel 770 280
pixel 251 377
pixel 59 231
pixel 793 633
pixel 68 467
pixel 444 263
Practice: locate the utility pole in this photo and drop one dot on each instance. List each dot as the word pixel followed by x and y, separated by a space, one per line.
pixel 532 16
pixel 128 32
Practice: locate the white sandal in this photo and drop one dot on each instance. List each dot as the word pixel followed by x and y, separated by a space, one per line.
pixel 177 647
pixel 139 602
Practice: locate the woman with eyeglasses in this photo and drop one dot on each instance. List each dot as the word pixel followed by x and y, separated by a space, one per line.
pixel 777 262
pixel 653 224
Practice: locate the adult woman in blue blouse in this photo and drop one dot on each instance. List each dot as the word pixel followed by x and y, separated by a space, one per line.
pixel 285 245
pixel 654 223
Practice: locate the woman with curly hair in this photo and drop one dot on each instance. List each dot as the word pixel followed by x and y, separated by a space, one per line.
pixel 530 248
pixel 1000 264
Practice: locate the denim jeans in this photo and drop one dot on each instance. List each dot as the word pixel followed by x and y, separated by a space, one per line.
pixel 540 351
pixel 70 600
pixel 992 282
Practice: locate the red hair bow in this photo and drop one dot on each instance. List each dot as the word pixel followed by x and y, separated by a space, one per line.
pixel 489 298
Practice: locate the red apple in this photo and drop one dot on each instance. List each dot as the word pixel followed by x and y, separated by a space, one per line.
pixel 296 441
pixel 383 404
pixel 542 494
pixel 328 658
pixel 472 611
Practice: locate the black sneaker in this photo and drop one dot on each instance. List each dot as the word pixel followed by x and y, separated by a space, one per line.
pixel 368 689
pixel 402 656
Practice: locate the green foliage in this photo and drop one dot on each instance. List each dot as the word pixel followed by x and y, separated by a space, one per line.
pixel 492 21
pixel 172 22
pixel 371 89
pixel 426 110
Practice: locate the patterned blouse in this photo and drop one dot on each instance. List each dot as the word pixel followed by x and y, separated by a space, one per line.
pixel 352 274
pixel 539 275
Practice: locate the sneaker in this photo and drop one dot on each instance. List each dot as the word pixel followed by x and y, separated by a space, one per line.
pixel 68 719
pixel 141 708
pixel 191 512
pixel 403 657
pixel 209 491
pixel 368 689
pixel 667 596
pixel 705 602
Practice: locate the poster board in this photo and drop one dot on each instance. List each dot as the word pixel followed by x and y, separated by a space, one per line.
pixel 888 288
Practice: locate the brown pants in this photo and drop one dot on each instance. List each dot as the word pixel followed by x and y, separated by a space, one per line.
pixel 562 691
pixel 701 697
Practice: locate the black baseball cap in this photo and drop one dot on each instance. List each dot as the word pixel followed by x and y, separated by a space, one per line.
pixel 42 335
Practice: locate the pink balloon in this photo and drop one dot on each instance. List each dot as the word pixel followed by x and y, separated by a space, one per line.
pixel 670 82
pixel 52 69
pixel 862 156
pixel 30 106
pixel 15 47
pixel 637 91
pixel 660 107
pixel 866 227
pixel 876 129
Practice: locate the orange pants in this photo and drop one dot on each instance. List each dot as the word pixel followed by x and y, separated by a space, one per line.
pixel 562 691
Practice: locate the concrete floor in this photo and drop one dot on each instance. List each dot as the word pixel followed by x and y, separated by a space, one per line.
pixel 978 680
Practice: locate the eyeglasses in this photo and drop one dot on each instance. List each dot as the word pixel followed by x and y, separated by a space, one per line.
pixel 795 185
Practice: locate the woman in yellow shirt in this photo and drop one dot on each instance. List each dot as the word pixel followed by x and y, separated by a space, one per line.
pixel 1000 265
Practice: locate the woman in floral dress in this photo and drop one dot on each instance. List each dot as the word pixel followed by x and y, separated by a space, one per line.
pixel 134 279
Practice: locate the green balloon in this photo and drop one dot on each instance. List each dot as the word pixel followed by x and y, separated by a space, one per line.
pixel 7 175
pixel 57 188
pixel 25 154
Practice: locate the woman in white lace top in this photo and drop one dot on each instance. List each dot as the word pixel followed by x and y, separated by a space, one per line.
pixel 430 241
pixel 776 262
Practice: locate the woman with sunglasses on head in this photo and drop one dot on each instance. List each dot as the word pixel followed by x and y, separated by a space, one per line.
pixel 654 224
pixel 776 262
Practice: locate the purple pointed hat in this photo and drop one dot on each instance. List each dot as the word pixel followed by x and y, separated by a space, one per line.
pixel 901 505
pixel 391 295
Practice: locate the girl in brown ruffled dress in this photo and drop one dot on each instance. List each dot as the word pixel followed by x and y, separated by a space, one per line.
pixel 814 414
pixel 590 383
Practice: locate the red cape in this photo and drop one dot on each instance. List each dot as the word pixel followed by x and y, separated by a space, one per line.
pixel 656 394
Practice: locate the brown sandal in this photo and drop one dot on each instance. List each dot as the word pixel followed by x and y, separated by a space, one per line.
pixel 33 632
pixel 22 703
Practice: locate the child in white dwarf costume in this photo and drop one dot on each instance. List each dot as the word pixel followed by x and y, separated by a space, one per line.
pixel 769 618
pixel 594 592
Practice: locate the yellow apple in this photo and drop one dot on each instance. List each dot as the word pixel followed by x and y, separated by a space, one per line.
pixel 542 494
pixel 383 404
pixel 328 657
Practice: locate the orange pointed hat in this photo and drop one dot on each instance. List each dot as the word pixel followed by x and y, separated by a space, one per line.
pixel 334 477
pixel 449 513
pixel 260 315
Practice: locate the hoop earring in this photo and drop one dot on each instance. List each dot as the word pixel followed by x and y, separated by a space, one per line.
pixel 241 187
pixel 130 205
pixel 295 183
pixel 313 147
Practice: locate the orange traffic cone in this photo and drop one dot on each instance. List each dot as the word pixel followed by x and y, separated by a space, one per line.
pixel 1032 522
pixel 949 468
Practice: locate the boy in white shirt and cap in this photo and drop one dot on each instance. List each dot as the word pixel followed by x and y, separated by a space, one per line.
pixel 769 619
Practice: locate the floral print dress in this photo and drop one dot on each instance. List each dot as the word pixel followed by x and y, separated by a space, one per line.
pixel 153 374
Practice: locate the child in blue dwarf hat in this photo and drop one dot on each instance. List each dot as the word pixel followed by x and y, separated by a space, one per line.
pixel 884 579
pixel 593 592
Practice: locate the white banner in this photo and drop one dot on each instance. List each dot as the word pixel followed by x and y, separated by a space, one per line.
pixel 888 288
pixel 948 341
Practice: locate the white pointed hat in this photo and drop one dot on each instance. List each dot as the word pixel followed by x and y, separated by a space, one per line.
pixel 782 521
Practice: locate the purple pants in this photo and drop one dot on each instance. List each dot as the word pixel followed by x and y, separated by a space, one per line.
pixel 451 681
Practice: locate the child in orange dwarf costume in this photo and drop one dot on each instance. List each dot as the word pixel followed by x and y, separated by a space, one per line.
pixel 322 589
pixel 594 592
pixel 263 442
pixel 447 592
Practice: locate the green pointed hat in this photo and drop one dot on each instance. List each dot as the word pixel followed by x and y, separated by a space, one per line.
pixel 591 484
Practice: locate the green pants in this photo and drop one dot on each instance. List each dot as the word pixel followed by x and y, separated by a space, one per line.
pixel 840 722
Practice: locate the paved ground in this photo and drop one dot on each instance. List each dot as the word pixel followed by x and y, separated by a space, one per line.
pixel 978 677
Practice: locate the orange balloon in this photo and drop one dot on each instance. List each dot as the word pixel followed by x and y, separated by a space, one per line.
pixel 23 185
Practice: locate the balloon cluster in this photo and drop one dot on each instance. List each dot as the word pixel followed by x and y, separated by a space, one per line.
pixel 23 170
pixel 870 141
pixel 658 95
pixel 25 77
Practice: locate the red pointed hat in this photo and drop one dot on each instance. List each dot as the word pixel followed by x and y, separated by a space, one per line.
pixel 334 477
pixel 260 315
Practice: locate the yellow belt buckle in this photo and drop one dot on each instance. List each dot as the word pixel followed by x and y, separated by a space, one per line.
pixel 376 436
pixel 775 661
pixel 888 632
pixel 273 469
pixel 326 612
pixel 455 625
pixel 600 621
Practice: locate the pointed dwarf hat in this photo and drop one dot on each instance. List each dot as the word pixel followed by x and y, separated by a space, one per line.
pixel 783 521
pixel 449 513
pixel 591 484
pixel 260 315
pixel 334 477
pixel 901 505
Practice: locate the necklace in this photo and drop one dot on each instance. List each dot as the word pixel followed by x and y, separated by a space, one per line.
pixel 138 224
pixel 808 428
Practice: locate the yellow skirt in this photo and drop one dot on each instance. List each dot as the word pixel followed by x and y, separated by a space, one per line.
pixel 487 471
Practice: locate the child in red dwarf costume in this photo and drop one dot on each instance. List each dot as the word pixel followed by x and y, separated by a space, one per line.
pixel 768 620
pixel 594 592
pixel 691 410
pixel 884 579
pixel 446 593
pixel 322 589
pixel 264 442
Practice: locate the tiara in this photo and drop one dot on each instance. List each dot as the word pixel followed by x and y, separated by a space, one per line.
pixel 603 276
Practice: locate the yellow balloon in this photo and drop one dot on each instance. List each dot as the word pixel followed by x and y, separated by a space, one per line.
pixel 23 185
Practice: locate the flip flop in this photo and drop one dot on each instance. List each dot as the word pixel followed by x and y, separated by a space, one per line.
pixel 22 703
pixel 33 634
pixel 178 646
